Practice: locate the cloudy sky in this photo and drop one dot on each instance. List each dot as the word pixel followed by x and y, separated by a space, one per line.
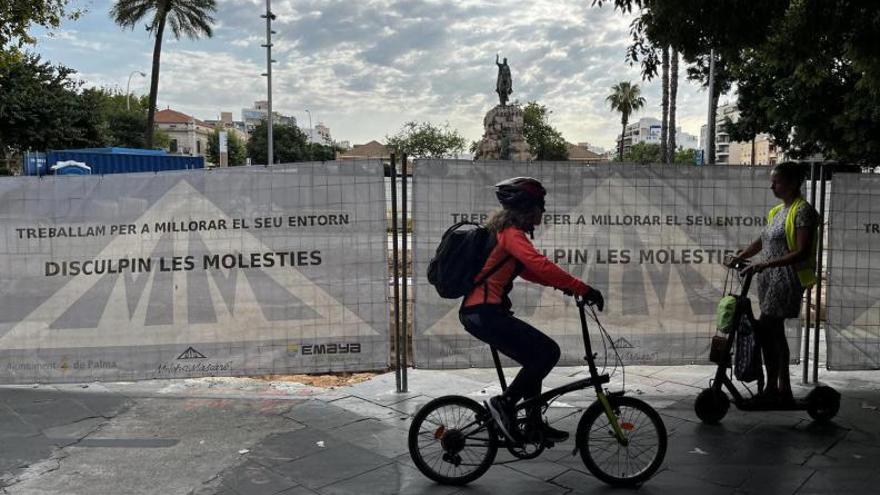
pixel 364 67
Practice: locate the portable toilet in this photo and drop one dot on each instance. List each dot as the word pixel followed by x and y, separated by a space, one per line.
pixel 71 167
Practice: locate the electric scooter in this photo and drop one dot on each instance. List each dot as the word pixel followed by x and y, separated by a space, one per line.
pixel 822 403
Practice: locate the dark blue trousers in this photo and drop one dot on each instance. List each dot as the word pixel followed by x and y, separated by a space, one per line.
pixel 516 339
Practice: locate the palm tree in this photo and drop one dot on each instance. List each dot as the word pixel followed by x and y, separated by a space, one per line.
pixel 673 94
pixel 625 98
pixel 191 18
pixel 664 122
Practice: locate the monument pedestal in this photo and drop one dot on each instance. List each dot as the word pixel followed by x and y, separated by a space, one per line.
pixel 503 136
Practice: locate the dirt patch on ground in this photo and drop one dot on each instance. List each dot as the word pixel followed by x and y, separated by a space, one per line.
pixel 325 381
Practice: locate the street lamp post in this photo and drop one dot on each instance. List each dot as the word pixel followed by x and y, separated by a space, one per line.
pixel 269 16
pixel 310 126
pixel 128 87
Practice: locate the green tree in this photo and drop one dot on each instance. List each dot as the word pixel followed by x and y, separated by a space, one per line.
pixel 814 82
pixel 645 153
pixel 673 95
pixel 426 140
pixel 625 98
pixel 123 119
pixel 191 18
pixel 664 120
pixel 545 142
pixel 807 72
pixel 236 148
pixel 41 107
pixel 290 144
pixel 17 17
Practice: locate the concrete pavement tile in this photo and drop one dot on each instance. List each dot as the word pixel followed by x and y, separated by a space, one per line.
pixel 298 490
pixel 411 405
pixel 290 446
pixel 364 408
pixel 855 454
pixel 253 479
pixel 21 452
pixel 840 480
pixel 775 479
pixel 579 482
pixel 667 481
pixel 391 479
pixel 319 414
pixel 49 412
pixel 374 436
pixel 759 454
pixel 331 465
pixel 436 383
pixel 380 390
pixel 538 468
pixel 694 376
pixel 502 479
pixel 71 433
pixel 11 426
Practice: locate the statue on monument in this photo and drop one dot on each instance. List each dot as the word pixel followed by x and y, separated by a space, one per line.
pixel 504 83
pixel 503 137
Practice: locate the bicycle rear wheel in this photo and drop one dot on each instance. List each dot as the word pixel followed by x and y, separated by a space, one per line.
pixel 610 460
pixel 451 440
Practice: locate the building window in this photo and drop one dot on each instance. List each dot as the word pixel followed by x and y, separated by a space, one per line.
pixel 198 147
pixel 173 146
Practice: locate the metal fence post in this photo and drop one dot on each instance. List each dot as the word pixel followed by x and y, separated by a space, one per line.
pixel 404 321
pixel 395 270
pixel 819 251
pixel 806 366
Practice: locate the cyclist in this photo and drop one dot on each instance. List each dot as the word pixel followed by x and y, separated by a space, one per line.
pixel 486 311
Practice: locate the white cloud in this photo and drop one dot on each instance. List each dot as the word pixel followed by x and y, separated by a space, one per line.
pixel 365 67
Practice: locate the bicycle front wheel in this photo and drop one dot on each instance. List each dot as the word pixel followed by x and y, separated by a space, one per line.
pixel 451 440
pixel 622 463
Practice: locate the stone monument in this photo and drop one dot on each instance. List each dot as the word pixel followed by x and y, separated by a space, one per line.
pixel 503 125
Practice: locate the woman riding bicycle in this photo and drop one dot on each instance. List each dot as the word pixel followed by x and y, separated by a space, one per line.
pixel 486 314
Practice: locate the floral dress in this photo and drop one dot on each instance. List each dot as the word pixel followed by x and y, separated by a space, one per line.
pixel 779 290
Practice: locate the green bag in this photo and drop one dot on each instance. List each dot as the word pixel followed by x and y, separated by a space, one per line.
pixel 724 315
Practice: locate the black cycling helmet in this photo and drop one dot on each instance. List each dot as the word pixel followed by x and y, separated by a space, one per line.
pixel 520 193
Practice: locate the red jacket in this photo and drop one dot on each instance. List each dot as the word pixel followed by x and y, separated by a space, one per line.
pixel 535 268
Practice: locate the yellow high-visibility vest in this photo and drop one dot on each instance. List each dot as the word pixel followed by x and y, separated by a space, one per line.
pixel 807 273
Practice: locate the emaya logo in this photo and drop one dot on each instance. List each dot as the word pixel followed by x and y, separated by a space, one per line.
pixel 157 307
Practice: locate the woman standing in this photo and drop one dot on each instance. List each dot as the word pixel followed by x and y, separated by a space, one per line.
pixel 786 268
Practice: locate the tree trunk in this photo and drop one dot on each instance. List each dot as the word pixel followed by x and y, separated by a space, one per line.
pixel 154 81
pixel 673 94
pixel 710 130
pixel 664 122
pixel 623 121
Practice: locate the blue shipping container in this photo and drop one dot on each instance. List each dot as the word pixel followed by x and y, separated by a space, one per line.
pixel 121 160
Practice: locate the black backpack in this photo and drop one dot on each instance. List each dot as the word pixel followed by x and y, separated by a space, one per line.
pixel 461 255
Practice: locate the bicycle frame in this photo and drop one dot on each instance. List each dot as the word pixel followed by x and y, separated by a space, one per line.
pixel 595 379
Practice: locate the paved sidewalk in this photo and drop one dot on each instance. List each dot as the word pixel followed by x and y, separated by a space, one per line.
pixel 268 438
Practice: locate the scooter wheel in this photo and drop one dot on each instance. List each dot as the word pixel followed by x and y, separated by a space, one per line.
pixel 711 405
pixel 823 403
